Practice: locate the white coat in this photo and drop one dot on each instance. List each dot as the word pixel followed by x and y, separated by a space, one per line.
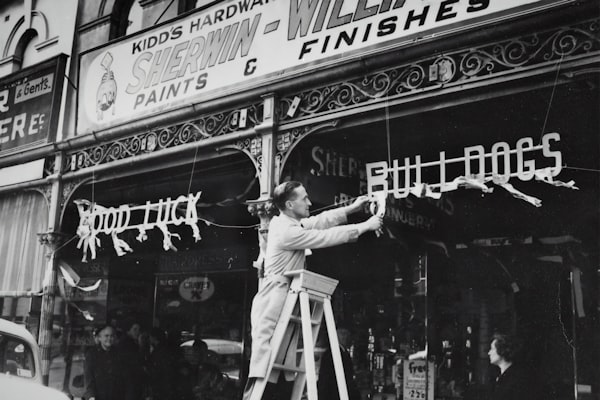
pixel 287 241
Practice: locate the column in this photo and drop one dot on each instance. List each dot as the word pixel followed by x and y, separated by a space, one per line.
pixel 52 239
pixel 263 208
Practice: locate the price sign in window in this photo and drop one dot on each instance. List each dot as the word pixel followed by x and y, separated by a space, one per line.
pixel 418 380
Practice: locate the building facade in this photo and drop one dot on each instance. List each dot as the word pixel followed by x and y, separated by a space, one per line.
pixel 151 183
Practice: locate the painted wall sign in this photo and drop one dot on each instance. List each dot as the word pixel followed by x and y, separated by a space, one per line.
pixel 95 219
pixel 29 105
pixel 238 44
pixel 196 289
pixel 479 168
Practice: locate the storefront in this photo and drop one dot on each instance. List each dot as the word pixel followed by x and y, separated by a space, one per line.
pixel 499 119
pixel 29 117
pixel 450 272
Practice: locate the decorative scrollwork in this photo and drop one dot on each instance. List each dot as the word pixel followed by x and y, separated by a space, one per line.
pixel 68 188
pixel 443 70
pixel 49 163
pixel 286 141
pixel 165 137
pixel 252 147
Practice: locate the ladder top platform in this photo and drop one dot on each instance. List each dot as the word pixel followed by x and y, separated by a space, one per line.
pixel 303 279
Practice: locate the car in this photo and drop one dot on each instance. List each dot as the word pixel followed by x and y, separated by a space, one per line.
pixel 20 371
pixel 225 354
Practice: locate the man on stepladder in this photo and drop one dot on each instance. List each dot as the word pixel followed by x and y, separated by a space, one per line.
pixel 290 234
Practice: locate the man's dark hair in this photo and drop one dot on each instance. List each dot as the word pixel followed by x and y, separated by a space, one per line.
pixel 284 192
pixel 507 346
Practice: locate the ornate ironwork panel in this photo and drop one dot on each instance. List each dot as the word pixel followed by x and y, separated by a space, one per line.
pixel 154 140
pixel 448 69
pixel 49 163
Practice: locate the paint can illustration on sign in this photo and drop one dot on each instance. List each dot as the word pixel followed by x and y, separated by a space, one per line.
pixel 106 95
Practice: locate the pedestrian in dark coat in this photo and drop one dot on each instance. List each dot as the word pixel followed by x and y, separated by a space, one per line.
pixel 514 382
pixel 106 373
pixel 162 368
pixel 327 384
pixel 129 348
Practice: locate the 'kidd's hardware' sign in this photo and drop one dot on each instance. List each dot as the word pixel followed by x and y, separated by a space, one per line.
pixel 238 44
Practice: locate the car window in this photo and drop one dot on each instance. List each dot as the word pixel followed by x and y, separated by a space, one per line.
pixel 16 357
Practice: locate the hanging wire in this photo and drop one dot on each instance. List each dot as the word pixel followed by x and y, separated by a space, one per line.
pixel 387 131
pixel 193 167
pixel 551 96
pixel 560 320
pixel 64 244
pixel 581 169
pixel 229 226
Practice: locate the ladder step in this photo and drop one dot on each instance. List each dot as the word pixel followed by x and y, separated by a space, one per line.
pixel 282 367
pixel 298 320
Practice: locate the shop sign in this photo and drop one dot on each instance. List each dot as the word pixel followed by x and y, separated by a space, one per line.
pixel 30 105
pixel 196 289
pixel 224 259
pixel 239 44
pixel 95 219
pixel 479 168
pixel 418 380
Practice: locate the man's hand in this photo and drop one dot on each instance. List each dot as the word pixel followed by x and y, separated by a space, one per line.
pixel 374 223
pixel 358 205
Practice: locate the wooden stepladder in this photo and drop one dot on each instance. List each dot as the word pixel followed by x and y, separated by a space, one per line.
pixel 309 293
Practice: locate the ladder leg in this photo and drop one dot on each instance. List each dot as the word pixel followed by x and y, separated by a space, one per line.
pixel 309 349
pixel 335 350
pixel 276 341
pixel 300 383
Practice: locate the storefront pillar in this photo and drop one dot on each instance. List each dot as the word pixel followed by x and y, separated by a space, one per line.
pixel 263 208
pixel 52 239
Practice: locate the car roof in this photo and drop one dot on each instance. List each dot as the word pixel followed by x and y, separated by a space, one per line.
pixel 13 329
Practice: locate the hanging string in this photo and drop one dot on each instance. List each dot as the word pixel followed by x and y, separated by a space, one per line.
pixel 551 96
pixel 254 226
pixel 582 169
pixel 64 244
pixel 93 182
pixel 560 320
pixel 334 205
pixel 193 167
pixel 387 131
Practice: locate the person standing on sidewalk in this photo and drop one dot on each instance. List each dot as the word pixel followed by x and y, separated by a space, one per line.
pixel 106 374
pixel 291 233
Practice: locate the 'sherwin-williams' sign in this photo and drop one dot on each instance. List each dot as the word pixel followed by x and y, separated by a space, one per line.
pixel 239 44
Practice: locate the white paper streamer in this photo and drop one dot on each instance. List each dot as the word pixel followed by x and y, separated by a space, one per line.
pixel 424 190
pixel 545 175
pixel 520 195
pixel 468 183
pixel 72 278
pixel 377 207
